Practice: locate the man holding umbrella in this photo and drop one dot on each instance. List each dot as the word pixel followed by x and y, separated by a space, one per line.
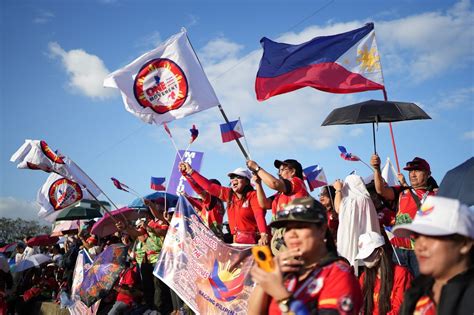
pixel 408 200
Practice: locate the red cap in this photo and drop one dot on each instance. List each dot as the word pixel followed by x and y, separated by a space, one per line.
pixel 417 164
pixel 91 239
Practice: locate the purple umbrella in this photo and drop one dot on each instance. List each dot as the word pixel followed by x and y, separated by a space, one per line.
pixel 106 225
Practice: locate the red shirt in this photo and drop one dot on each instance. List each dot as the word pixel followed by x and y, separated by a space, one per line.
pixel 401 282
pixel 128 279
pixel 297 190
pixel 406 212
pixel 334 287
pixel 244 215
pixel 214 216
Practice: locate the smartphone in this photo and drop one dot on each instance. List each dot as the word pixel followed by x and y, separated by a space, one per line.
pixel 264 258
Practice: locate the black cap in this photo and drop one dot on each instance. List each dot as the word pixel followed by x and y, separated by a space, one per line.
pixel 315 212
pixel 294 164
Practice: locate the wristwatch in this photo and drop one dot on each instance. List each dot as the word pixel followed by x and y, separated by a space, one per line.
pixel 284 304
pixel 258 168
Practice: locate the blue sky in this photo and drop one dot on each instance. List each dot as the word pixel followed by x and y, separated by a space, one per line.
pixel 55 54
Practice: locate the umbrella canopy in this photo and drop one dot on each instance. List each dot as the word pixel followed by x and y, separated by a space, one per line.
pixel 159 196
pixel 458 183
pixel 374 111
pixel 106 225
pixel 63 227
pixel 42 240
pixel 8 248
pixel 32 261
pixel 79 213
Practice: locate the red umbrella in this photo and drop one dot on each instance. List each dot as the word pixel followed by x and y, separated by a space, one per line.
pixel 106 226
pixel 42 240
pixel 8 248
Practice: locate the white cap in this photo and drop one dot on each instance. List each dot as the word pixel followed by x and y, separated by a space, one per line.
pixel 368 242
pixel 440 216
pixel 140 221
pixel 241 172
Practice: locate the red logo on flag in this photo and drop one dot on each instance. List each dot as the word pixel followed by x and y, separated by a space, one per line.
pixel 63 193
pixel 161 85
pixel 50 153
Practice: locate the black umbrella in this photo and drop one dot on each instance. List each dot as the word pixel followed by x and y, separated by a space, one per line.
pixel 374 111
pixel 458 183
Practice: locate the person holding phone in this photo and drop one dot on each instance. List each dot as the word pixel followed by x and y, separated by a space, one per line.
pixel 309 277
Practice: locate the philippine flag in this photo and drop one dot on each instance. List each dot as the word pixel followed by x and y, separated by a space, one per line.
pixel 346 155
pixel 315 177
pixel 341 63
pixel 231 131
pixel 157 183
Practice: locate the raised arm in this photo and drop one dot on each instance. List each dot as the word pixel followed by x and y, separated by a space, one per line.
pixel 267 178
pixel 386 192
pixel 214 189
pixel 263 201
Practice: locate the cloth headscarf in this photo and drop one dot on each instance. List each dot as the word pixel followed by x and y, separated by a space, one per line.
pixel 357 215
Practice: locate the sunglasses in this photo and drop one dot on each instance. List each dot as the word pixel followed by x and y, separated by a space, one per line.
pixel 233 176
pixel 299 212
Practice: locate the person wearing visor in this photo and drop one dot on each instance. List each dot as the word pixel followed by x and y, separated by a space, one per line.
pixel 409 199
pixel 246 217
pixel 443 230
pixel 381 296
pixel 289 185
pixel 308 277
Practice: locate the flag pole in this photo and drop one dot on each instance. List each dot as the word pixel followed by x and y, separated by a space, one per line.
pixel 220 106
pixel 245 138
pixel 391 134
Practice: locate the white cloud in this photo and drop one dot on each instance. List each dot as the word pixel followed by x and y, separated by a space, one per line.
pixel 86 72
pixel 469 135
pixel 455 98
pixel 43 17
pixel 14 208
pixel 424 46
pixel 220 49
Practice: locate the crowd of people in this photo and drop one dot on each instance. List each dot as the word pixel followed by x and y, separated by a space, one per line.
pixel 362 248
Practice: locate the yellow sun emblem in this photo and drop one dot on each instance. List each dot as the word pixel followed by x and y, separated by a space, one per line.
pixel 369 60
pixel 225 274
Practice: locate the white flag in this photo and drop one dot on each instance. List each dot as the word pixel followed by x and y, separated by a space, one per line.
pixel 37 155
pixel 56 194
pixel 388 174
pixel 164 84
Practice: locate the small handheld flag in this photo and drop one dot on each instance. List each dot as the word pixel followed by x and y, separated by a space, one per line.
pixel 157 183
pixel 231 131
pixel 315 176
pixel 119 184
pixel 346 155
pixel 194 134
